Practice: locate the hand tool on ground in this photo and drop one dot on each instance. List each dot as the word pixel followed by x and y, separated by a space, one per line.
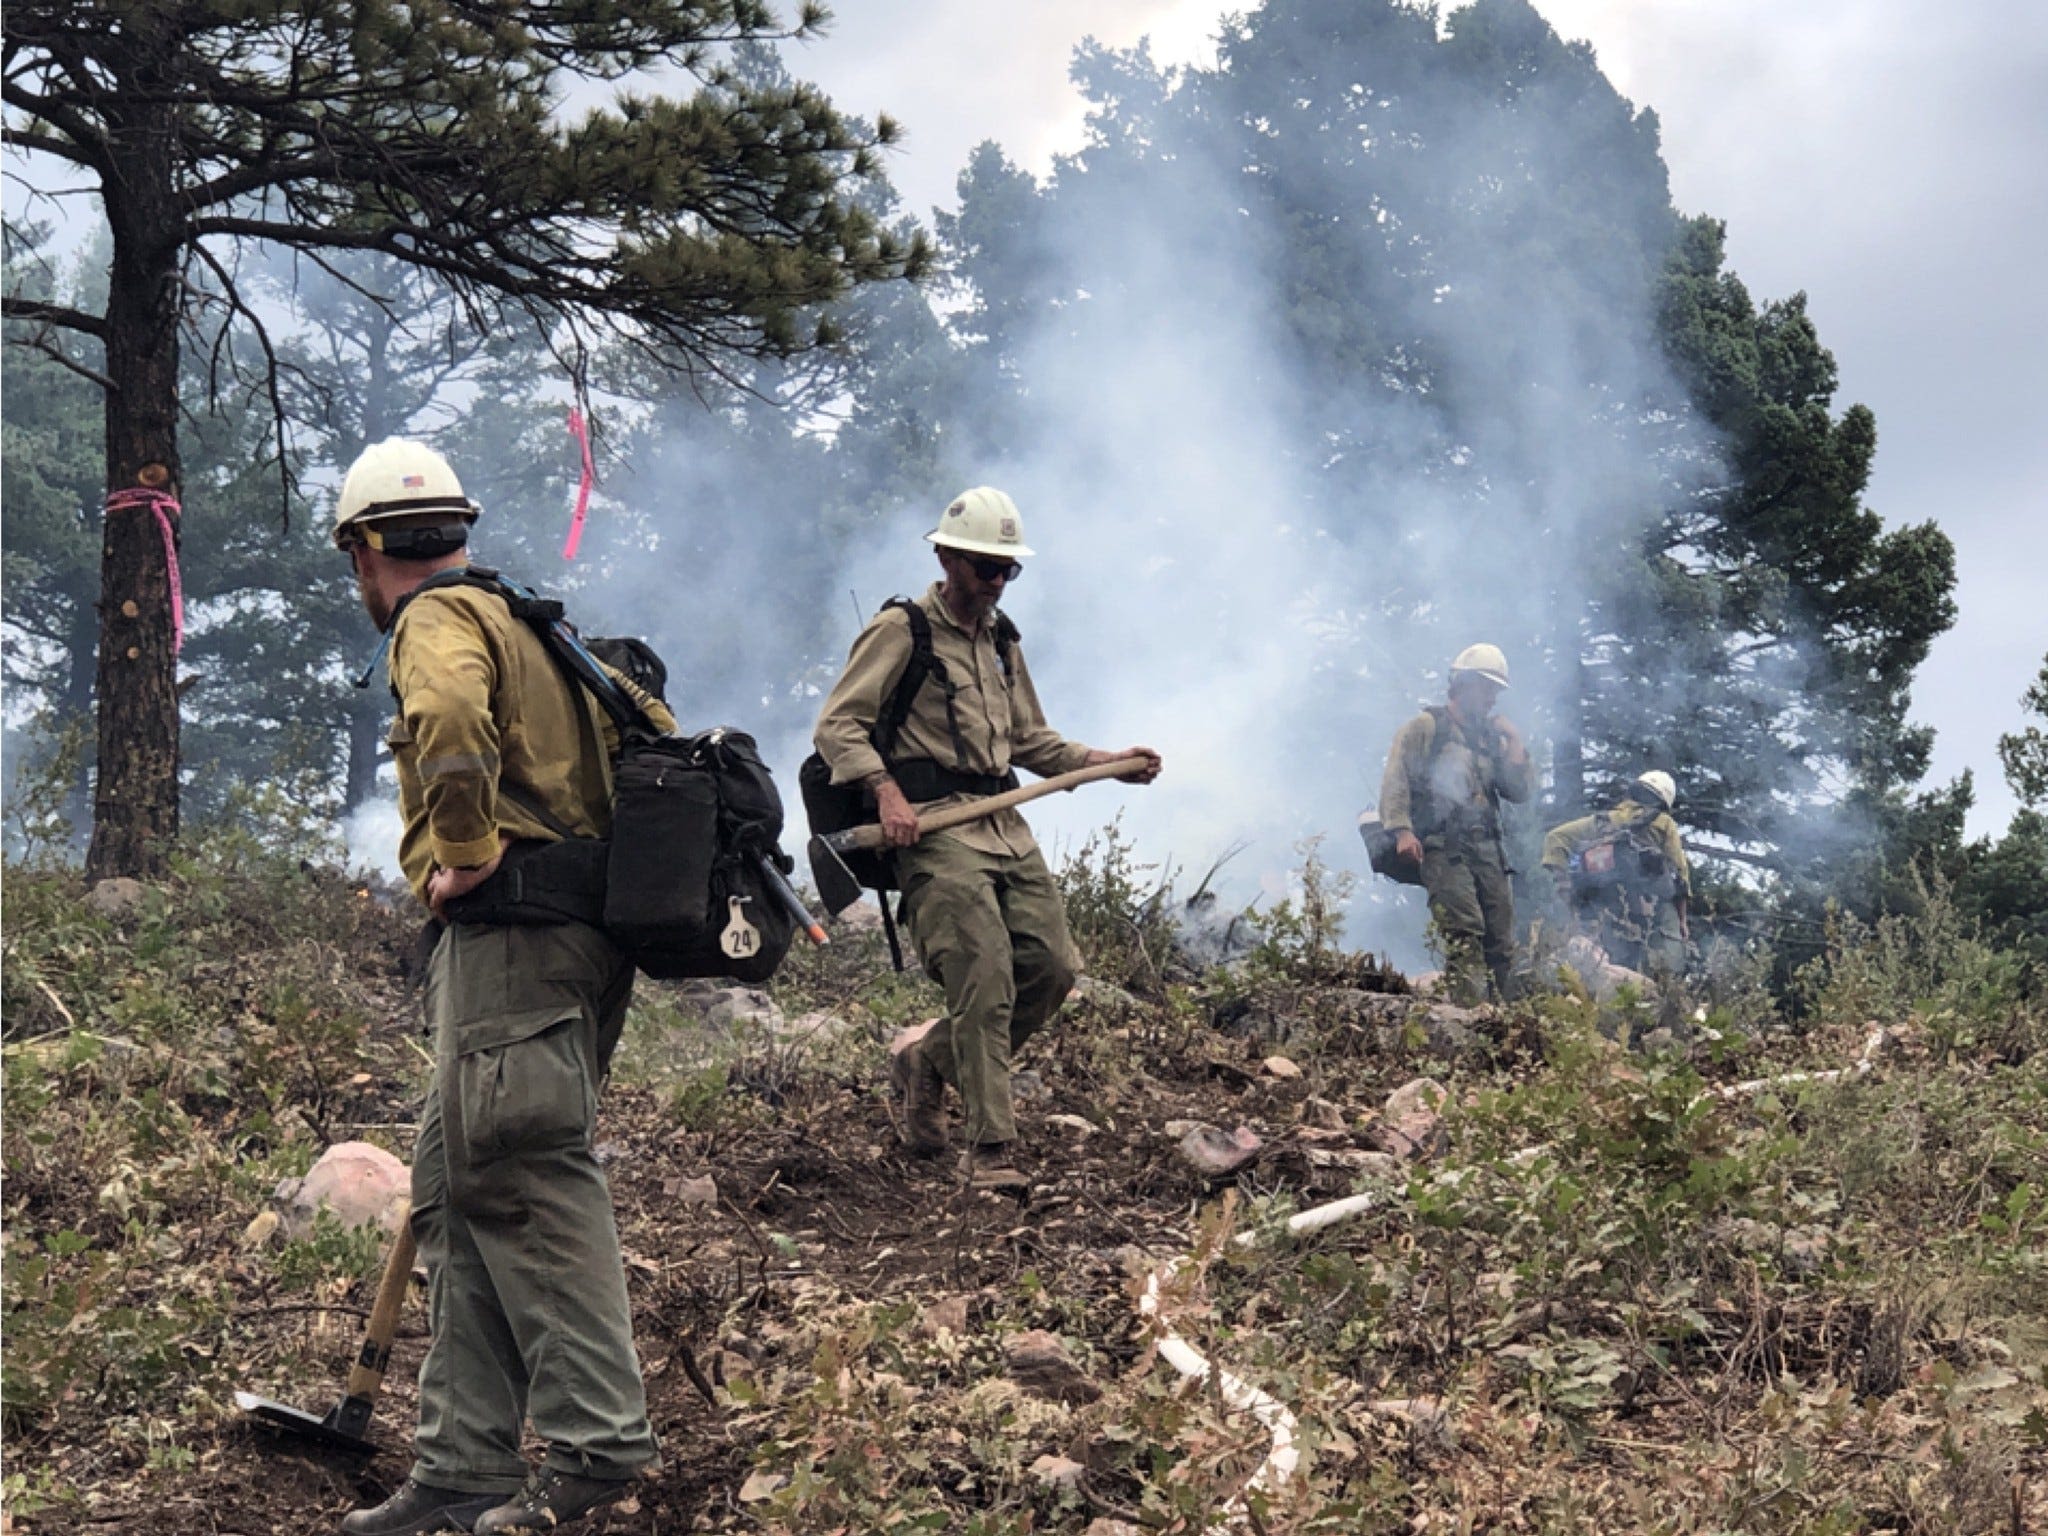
pixel 346 1425
pixel 838 888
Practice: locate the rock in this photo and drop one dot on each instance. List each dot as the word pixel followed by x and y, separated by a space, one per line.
pixel 1454 1031
pixel 1411 1126
pixel 1111 999
pixel 1176 1129
pixel 1427 983
pixel 1323 1115
pixel 1603 978
pixel 1217 1154
pixel 817 1027
pixel 359 1183
pixel 1281 1067
pixel 702 1190
pixel 1072 1123
pixel 731 1007
pixel 1058 1472
pixel 1039 1363
pixel 1025 1087
pixel 905 1038
pixel 117 897
pixel 947 1315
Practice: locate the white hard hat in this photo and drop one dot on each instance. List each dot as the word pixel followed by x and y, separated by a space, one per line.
pixel 982 521
pixel 1486 660
pixel 398 478
pixel 1660 784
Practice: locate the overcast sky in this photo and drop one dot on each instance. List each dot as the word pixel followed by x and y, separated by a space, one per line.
pixel 1889 157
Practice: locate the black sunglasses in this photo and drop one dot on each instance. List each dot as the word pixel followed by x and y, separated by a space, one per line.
pixel 988 569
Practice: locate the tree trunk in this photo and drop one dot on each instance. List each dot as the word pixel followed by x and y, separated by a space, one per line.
pixel 1568 744
pixel 366 723
pixel 135 800
pixel 74 710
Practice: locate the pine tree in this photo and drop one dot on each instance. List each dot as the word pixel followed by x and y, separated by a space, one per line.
pixel 698 228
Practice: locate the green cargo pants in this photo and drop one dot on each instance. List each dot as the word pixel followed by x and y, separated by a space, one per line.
pixel 992 932
pixel 1473 903
pixel 526 1292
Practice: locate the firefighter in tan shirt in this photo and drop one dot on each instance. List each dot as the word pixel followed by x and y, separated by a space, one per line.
pixel 982 907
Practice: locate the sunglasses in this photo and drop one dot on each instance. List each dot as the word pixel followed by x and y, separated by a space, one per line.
pixel 988 569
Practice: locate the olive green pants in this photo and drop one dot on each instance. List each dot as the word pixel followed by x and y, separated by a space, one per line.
pixel 526 1292
pixel 1473 902
pixel 992 932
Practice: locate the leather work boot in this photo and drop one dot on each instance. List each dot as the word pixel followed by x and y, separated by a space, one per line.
pixel 416 1507
pixel 549 1499
pixel 923 1092
pixel 990 1168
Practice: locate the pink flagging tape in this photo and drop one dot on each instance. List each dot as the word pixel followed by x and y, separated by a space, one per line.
pixel 581 432
pixel 166 508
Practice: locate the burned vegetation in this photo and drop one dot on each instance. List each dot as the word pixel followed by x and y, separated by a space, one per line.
pixel 1578 1284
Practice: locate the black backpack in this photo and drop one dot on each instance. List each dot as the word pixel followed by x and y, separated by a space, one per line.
pixel 687 884
pixel 1380 844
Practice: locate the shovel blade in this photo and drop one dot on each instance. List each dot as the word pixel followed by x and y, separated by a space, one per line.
pixel 308 1426
pixel 837 887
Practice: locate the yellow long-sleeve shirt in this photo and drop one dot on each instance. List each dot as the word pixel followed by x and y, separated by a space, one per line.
pixel 489 732
pixel 1560 841
pixel 1001 721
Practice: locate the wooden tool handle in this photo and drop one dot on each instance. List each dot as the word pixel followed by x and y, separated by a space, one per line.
pixel 870 835
pixel 367 1374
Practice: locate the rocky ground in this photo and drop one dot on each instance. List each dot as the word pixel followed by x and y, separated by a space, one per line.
pixel 1593 1287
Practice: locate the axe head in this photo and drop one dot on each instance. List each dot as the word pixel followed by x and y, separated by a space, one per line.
pixel 837 885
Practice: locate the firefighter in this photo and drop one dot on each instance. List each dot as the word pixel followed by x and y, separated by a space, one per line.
pixel 982 907
pixel 528 1316
pixel 1448 772
pixel 1623 874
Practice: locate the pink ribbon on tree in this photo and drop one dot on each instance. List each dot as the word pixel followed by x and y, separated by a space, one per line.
pixel 166 508
pixel 581 433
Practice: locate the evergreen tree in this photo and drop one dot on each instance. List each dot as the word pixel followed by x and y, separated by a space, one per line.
pixel 700 228
pixel 1529 402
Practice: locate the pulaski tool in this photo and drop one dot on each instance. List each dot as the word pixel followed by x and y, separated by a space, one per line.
pixel 346 1425
pixel 839 889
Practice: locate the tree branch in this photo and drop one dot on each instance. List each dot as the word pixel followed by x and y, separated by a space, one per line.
pixel 14 307
pixel 41 342
pixel 232 295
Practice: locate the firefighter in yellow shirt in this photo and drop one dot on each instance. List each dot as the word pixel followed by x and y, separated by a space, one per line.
pixel 1624 874
pixel 498 752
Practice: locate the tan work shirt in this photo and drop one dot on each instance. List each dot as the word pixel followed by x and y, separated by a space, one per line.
pixel 1459 777
pixel 483 708
pixel 1001 721
pixel 1560 841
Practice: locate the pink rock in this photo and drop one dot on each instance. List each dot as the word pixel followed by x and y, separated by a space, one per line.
pixel 1217 1154
pixel 359 1183
pixel 1412 1127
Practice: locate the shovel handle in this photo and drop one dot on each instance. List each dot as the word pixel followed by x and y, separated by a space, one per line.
pixel 367 1374
pixel 870 835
